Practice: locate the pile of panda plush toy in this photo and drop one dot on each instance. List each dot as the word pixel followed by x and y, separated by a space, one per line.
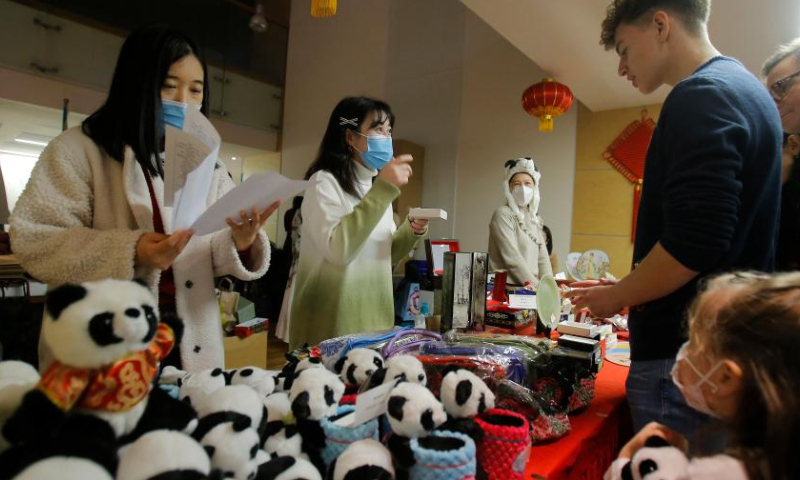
pixel 103 410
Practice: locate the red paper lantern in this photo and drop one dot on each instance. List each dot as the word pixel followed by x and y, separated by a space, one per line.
pixel 547 100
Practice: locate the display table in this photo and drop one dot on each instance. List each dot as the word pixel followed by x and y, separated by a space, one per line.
pixel 597 433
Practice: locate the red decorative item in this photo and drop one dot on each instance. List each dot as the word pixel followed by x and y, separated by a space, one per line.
pixel 627 155
pixel 547 100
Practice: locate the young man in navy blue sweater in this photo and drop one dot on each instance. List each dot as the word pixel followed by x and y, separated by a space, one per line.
pixel 710 198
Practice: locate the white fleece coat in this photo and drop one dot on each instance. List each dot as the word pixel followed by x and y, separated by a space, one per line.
pixel 81 215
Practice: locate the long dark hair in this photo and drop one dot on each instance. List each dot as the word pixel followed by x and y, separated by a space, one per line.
pixel 132 112
pixel 754 320
pixel 335 154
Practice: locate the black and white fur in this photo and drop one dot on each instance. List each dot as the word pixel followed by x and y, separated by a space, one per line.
pixel 260 380
pixel 16 379
pixel 239 399
pixel 162 455
pixel 413 412
pixel 406 368
pixel 358 365
pixel 315 395
pixel 288 468
pixel 363 460
pixel 656 461
pixel 89 326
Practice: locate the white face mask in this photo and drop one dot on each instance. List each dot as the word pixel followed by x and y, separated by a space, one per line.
pixel 693 393
pixel 523 195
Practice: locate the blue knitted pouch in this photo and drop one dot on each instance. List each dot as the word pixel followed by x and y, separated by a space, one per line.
pixel 338 438
pixel 443 456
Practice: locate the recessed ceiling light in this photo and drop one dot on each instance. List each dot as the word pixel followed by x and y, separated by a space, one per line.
pixel 234 158
pixel 33 139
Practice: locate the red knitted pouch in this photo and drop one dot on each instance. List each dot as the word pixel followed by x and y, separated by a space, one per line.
pixel 506 445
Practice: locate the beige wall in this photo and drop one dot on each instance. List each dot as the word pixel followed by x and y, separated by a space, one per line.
pixel 603 201
pixel 495 128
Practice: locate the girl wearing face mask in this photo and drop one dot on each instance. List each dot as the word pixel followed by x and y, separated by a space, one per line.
pixel 516 239
pixel 350 243
pixel 741 366
pixel 93 208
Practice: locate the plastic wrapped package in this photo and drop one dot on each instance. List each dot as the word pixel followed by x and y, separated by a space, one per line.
pixel 546 420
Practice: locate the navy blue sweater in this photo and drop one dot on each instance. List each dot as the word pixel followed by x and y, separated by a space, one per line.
pixel 711 192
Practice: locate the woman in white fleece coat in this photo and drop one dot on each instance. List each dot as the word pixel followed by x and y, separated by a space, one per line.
pixel 94 205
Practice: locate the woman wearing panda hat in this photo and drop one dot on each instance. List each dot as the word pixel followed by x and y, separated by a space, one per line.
pixel 516 238
pixel 94 206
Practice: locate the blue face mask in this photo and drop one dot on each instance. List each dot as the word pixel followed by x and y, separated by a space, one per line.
pixel 379 151
pixel 174 113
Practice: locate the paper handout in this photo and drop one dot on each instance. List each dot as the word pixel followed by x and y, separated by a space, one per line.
pixel 189 161
pixel 259 191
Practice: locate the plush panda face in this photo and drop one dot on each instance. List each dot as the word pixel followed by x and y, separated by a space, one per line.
pixel 413 411
pixel 405 367
pixel 356 367
pixel 160 453
pixel 260 380
pixel 315 394
pixel 657 463
pixel 95 323
pixel 465 395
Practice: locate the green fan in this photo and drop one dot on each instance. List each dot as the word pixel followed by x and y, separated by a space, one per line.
pixel 548 302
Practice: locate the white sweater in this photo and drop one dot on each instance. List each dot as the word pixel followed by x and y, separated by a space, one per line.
pixel 350 245
pixel 81 215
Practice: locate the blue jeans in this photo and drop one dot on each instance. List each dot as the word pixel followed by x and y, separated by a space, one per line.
pixel 653 397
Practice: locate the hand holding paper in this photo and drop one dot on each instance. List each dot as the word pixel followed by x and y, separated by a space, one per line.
pixel 259 192
pixel 245 232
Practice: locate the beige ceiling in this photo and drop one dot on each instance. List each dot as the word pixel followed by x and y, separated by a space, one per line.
pixel 562 37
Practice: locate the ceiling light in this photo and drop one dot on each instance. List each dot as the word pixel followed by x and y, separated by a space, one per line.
pixel 33 139
pixel 19 153
pixel 258 23
pixel 234 158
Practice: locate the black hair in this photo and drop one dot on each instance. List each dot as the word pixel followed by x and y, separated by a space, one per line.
pixel 131 115
pixel 693 13
pixel 548 239
pixel 335 154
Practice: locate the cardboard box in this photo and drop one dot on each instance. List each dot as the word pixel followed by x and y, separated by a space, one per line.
pixel 250 351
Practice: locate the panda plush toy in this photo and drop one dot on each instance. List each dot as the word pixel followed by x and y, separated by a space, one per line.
pixel 315 395
pixel 161 455
pixel 657 460
pixel 363 460
pixel 413 412
pixel 358 365
pixel 355 369
pixel 464 396
pixel 196 387
pixel 238 399
pixel 232 445
pixel 407 368
pixel 101 333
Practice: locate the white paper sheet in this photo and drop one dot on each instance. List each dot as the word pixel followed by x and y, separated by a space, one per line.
pixel 259 191
pixel 190 158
